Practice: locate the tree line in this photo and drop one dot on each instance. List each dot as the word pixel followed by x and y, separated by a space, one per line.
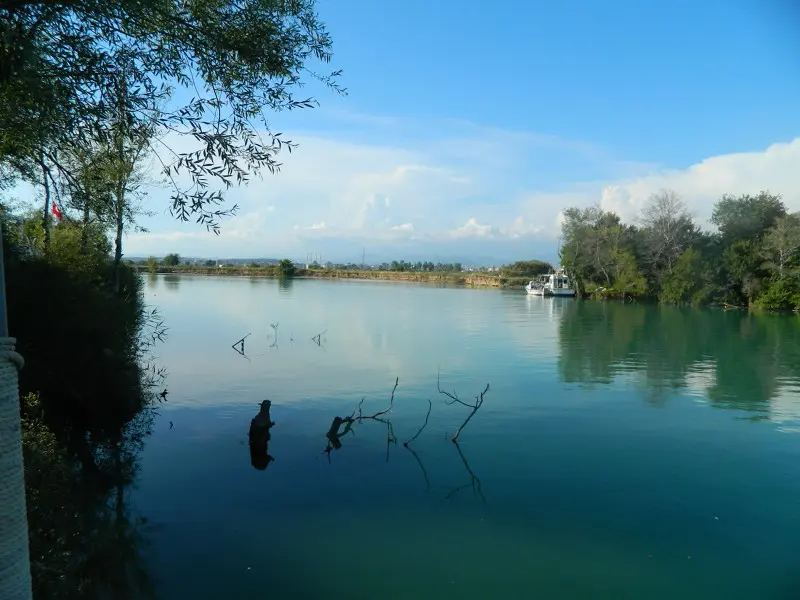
pixel 421 266
pixel 752 259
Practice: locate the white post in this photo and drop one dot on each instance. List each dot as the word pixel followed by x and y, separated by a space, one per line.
pixel 15 566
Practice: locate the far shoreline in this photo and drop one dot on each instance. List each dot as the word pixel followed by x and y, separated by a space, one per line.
pixel 468 280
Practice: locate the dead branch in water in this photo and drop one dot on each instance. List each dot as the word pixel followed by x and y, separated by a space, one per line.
pixel 455 399
pixel 475 482
pixel 239 346
pixel 379 413
pixel 424 425
pixel 317 339
pixel 358 416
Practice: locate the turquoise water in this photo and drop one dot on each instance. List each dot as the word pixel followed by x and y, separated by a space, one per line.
pixel 622 451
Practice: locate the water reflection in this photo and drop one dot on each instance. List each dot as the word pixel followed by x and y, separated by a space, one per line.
pixel 474 482
pixel 172 282
pixel 733 359
pixel 259 437
pixel 285 284
pixel 85 540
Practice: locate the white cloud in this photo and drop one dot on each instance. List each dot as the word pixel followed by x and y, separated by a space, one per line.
pixel 494 183
pixel 473 229
pixel 404 227
pixel 775 169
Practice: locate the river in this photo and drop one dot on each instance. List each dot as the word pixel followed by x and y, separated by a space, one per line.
pixel 621 450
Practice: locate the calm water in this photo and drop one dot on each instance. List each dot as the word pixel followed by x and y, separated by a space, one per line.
pixel 623 451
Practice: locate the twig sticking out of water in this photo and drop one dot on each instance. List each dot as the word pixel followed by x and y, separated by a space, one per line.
pixel 239 346
pixel 379 413
pixel 424 425
pixel 455 399
pixel 474 483
pixel 317 339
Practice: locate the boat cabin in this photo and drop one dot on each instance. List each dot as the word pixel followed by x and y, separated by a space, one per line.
pixel 557 281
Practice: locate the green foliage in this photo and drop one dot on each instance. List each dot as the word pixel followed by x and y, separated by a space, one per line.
pixel 423 267
pixel 286 268
pixel 780 293
pixel 596 247
pixel 628 279
pixel 237 58
pixel 171 260
pixel 526 268
pixel 684 283
pixel 152 264
pixel 754 259
pixel 746 217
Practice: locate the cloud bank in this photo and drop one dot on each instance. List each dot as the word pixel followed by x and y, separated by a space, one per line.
pixel 463 191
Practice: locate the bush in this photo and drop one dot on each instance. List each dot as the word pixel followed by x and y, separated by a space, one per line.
pixel 286 268
pixel 779 294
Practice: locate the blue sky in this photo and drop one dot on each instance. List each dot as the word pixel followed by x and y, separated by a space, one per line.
pixel 470 125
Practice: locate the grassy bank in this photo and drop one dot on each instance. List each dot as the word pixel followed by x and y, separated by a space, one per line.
pixel 483 280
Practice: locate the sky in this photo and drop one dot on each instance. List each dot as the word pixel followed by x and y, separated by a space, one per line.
pixel 469 127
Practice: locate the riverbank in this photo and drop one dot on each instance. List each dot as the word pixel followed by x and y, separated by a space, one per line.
pixel 477 280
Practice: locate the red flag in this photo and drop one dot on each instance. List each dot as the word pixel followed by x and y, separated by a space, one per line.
pixel 57 213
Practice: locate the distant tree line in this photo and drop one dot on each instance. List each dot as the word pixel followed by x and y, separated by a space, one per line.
pixel 753 259
pixel 420 266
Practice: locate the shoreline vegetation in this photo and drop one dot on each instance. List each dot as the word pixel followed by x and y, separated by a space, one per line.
pixel 477 279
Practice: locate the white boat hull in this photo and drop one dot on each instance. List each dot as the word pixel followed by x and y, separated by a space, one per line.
pixel 548 292
pixel 551 284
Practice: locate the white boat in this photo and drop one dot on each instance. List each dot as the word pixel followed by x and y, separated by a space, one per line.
pixel 552 284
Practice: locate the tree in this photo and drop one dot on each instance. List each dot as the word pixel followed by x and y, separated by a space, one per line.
pixel 628 279
pixel 781 244
pixel 286 268
pixel 668 229
pixel 746 217
pixel 64 66
pixel 684 281
pixel 171 260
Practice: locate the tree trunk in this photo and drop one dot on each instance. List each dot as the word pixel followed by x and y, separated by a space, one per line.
pixel 46 210
pixel 118 238
pixel 84 230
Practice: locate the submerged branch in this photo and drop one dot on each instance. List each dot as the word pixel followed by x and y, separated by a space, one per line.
pixel 455 399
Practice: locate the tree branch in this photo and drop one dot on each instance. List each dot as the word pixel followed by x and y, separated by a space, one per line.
pixel 454 398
